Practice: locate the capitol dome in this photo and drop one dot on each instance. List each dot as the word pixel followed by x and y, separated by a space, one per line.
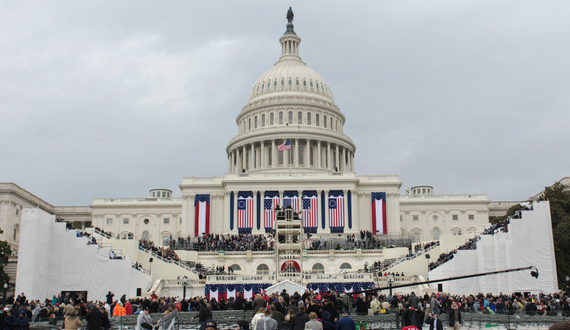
pixel 290 74
pixel 292 104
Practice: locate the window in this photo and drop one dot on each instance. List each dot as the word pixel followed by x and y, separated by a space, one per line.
pixel 435 234
pixel 282 82
pixel 235 267
pixel 318 269
pixel 125 221
pixel 15 234
pixel 271 119
pixel 249 124
pixel 325 121
pixel 166 221
pixel 255 122
pixel 346 265
pixel 263 84
pixel 317 120
pixel 401 218
pixel 317 85
pixel 17 211
pixel 270 156
pixel 275 83
pixel 455 217
pixel 304 83
pixel 146 221
pixel 290 117
pixel 145 235
pixel 471 216
pixel 309 118
pixel 280 118
pixel 415 217
pixel 281 157
pixel 109 221
pixel 263 120
pixel 297 82
pixel 435 217
pixel 290 82
pixel 311 155
pixel 311 83
pixel 180 220
pixel 331 126
pixel 262 269
pixel 268 84
pixel 165 240
pixel 299 117
pixel 301 154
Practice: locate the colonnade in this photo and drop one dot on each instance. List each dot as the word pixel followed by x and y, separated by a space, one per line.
pixel 304 153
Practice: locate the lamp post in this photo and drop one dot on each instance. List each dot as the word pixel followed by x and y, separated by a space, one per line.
pixel 6 286
pixel 184 287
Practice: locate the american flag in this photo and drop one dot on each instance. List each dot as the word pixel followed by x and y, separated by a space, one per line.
pixel 336 211
pixel 310 212
pixel 285 146
pixel 291 198
pixel 245 211
pixel 270 201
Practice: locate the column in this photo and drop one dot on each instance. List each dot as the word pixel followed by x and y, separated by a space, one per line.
pixel 300 194
pixel 235 210
pixel 329 158
pixel 281 198
pixel 251 158
pixel 319 215
pixel 262 211
pixel 225 222
pixel 296 153
pixel 244 158
pixel 272 153
pixel 238 160
pixel 336 159
pixel 263 161
pixel 343 162
pixel 318 154
pixel 308 154
pixel 254 220
pixel 230 162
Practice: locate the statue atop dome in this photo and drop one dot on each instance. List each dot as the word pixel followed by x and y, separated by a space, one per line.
pixel 290 15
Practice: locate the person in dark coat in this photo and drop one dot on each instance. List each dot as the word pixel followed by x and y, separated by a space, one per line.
pixel 110 296
pixel 327 325
pixel 434 322
pixel 94 319
pixel 9 321
pixel 204 313
pixel 454 315
pixel 22 322
pixel 300 319
pixel 414 301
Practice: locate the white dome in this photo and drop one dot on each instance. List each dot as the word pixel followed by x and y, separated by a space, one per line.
pixel 290 75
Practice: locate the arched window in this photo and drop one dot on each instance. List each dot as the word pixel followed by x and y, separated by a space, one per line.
pixel 255 122
pixel 290 117
pixel 317 120
pixel 262 84
pixel 290 82
pixel 346 265
pixel 249 124
pixel 318 269
pixel 271 119
pixel 435 234
pixel 308 118
pixel 325 121
pixel 299 117
pixel 280 118
pixel 145 235
pixel 235 267
pixel 297 81
pixel 263 120
pixel 304 83
pixel 275 83
pixel 282 82
pixel 301 155
pixel 262 269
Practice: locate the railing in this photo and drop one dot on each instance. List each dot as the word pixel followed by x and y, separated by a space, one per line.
pixel 240 278
pixel 170 261
pixel 406 258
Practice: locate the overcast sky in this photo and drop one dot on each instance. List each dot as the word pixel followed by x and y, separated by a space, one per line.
pixel 113 98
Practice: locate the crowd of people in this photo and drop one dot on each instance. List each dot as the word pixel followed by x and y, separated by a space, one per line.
pixel 165 253
pixel 217 242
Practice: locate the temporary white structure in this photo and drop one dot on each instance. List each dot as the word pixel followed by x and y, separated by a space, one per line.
pixel 528 242
pixel 52 259
pixel 291 287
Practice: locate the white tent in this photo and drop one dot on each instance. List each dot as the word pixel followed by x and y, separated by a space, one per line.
pixel 291 287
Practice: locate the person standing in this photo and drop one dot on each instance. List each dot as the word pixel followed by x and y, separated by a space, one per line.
pixel 313 323
pixel 454 316
pixel 110 296
pixel 300 319
pixel 94 319
pixel 267 322
pixel 144 322
pixel 434 322
pixel 346 322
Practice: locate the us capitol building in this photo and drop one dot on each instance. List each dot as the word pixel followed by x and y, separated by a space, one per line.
pixel 290 106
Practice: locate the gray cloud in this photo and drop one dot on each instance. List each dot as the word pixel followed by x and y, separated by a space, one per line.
pixel 108 99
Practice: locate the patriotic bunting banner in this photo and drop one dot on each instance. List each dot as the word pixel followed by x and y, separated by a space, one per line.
pixel 245 212
pixel 336 211
pixel 291 198
pixel 270 202
pixel 202 214
pixel 379 213
pixel 233 290
pixel 310 211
